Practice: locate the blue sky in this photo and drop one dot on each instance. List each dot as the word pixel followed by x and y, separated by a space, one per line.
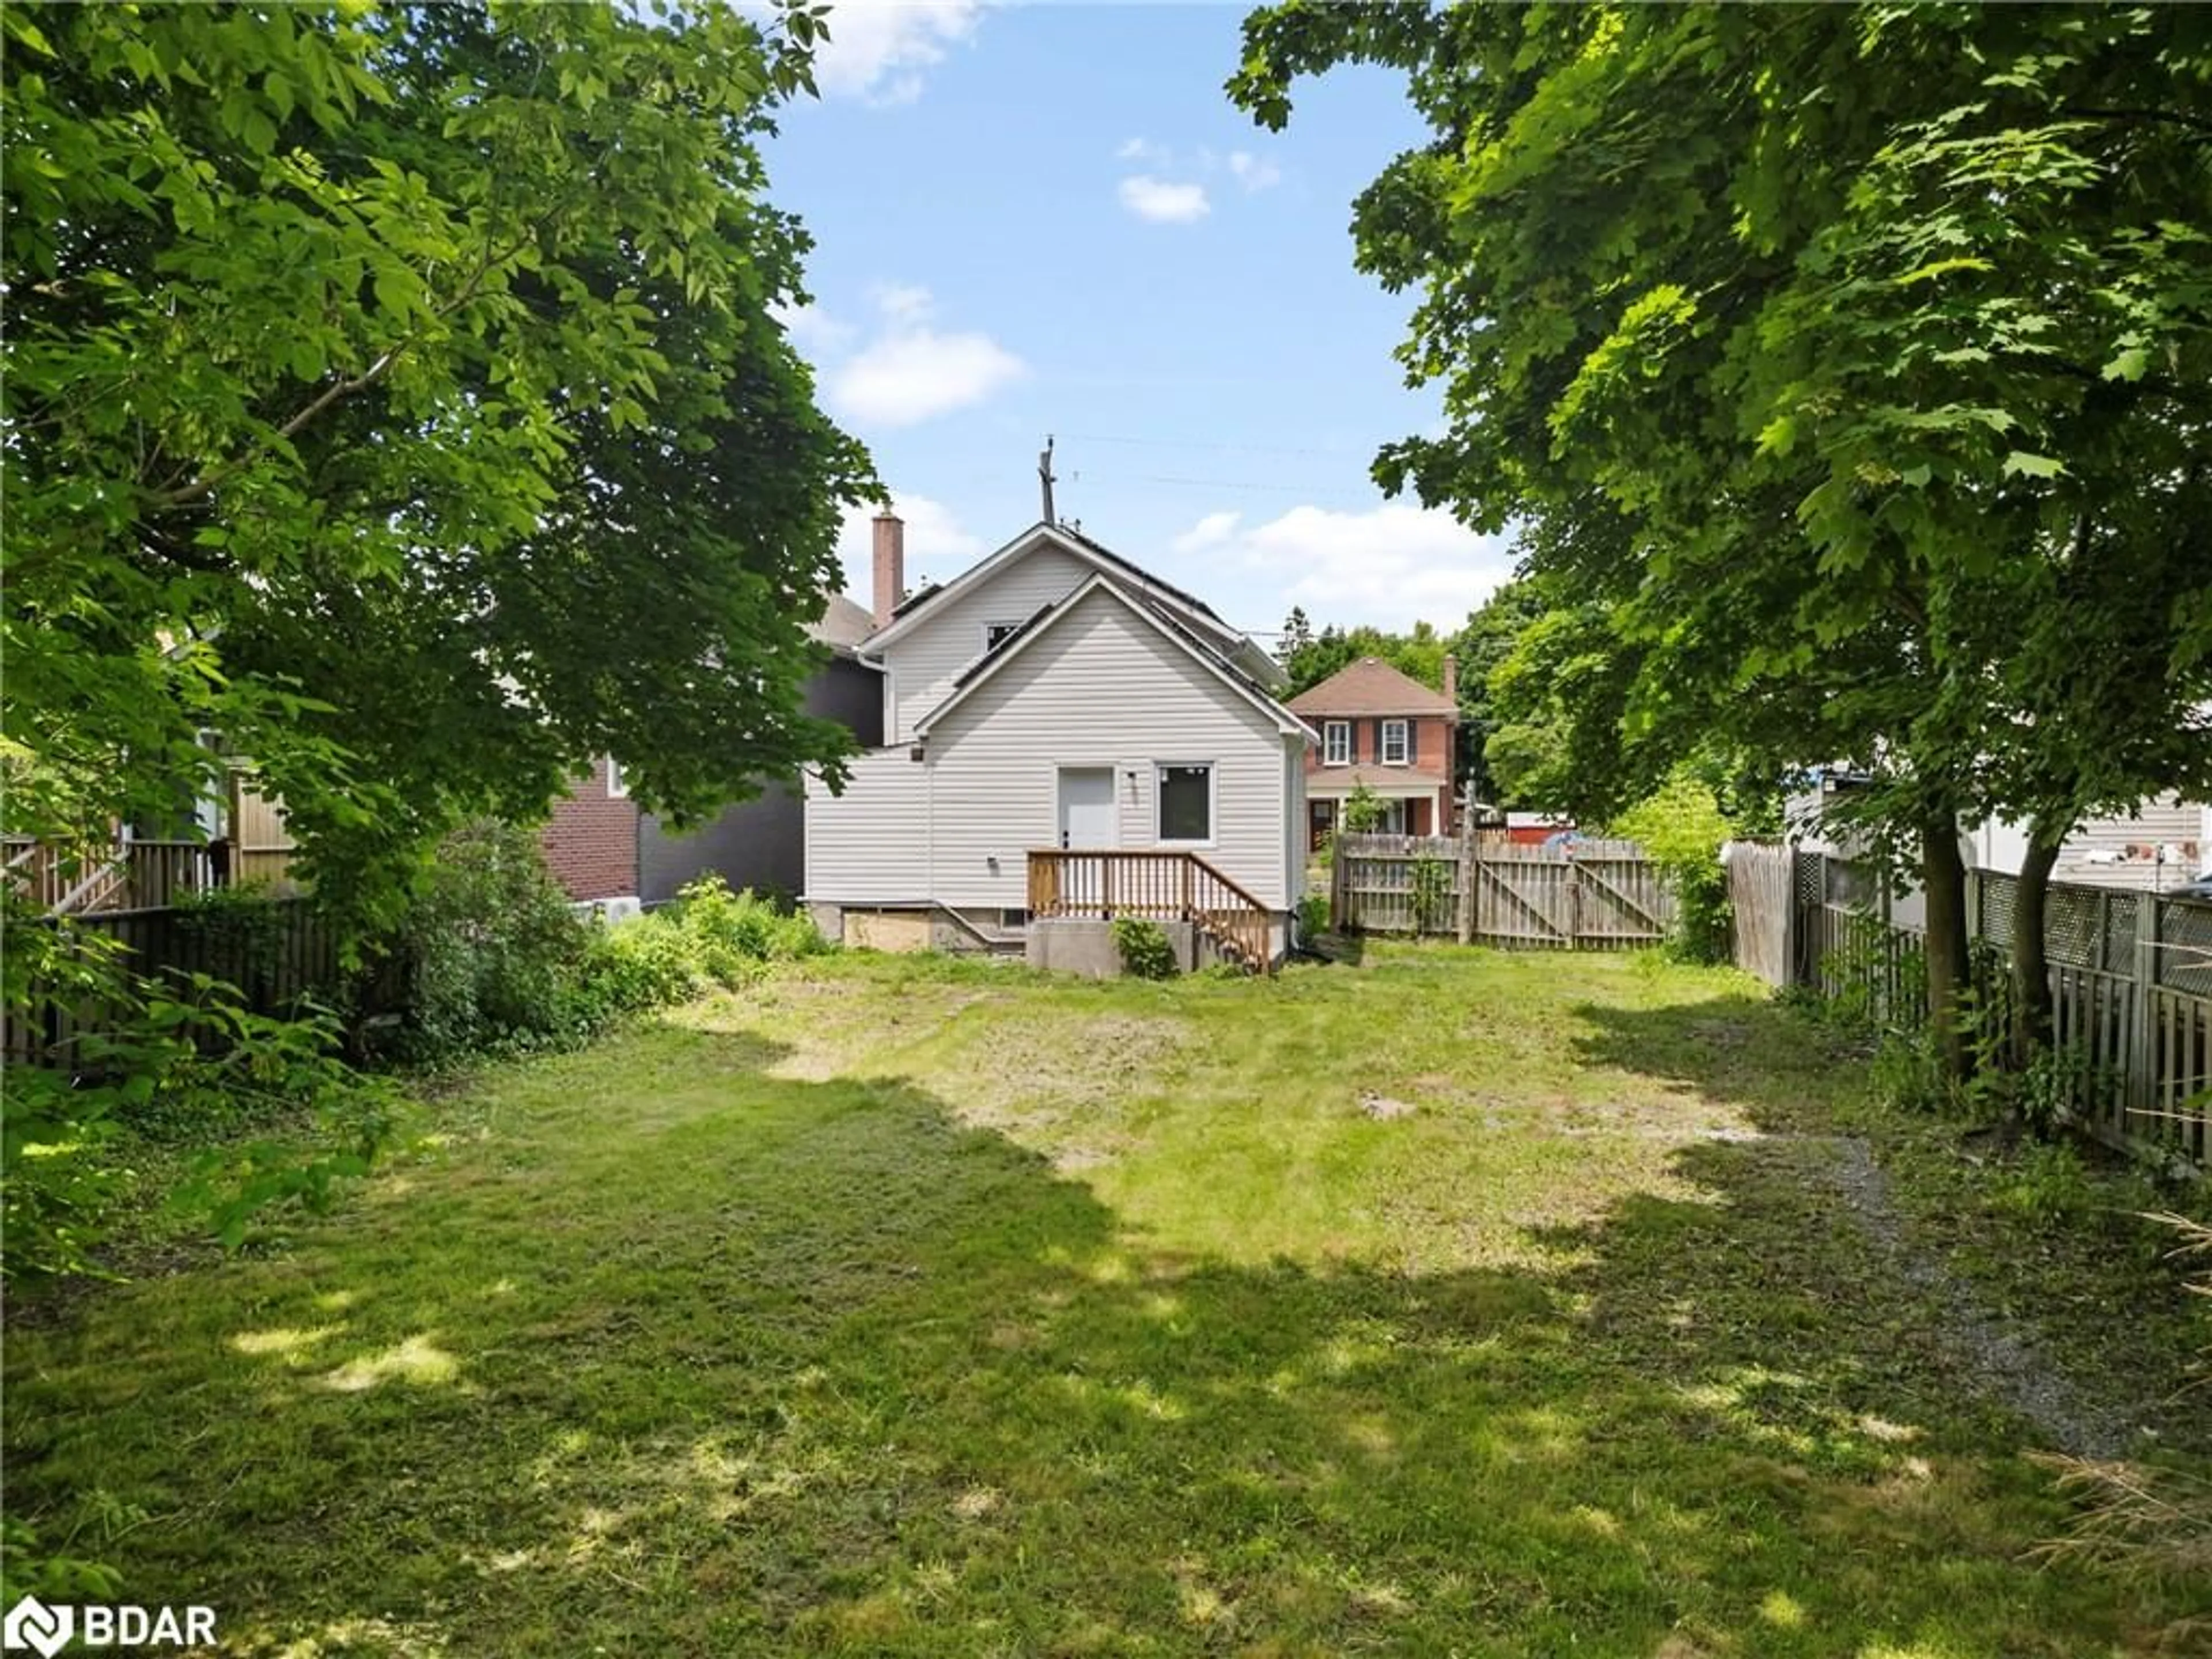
pixel 1049 218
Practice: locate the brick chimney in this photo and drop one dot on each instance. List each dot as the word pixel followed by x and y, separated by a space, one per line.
pixel 890 563
pixel 1451 678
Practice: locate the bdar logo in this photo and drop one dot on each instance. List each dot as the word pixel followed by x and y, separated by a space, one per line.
pixel 31 1624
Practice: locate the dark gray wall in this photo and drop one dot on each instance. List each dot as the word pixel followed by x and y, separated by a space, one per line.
pixel 761 843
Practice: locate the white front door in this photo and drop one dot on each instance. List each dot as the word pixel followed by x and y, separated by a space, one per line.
pixel 1086 820
pixel 1086 806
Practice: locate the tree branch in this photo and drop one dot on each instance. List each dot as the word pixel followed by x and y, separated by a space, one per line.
pixel 2129 112
pixel 185 494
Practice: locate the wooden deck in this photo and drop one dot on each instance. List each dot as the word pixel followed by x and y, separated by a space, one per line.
pixel 1154 885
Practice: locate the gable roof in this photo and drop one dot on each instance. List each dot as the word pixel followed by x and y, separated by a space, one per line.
pixel 1100 558
pixel 1371 686
pixel 987 667
pixel 842 623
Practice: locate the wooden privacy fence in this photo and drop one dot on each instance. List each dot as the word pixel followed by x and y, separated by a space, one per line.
pixel 2130 979
pixel 274 967
pixel 1583 896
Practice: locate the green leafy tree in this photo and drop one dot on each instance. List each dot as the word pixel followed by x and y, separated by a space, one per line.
pixel 400 393
pixel 1816 346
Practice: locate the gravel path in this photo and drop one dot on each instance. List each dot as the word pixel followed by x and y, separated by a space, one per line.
pixel 2010 1366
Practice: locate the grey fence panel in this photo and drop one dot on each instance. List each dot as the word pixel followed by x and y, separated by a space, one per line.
pixel 1596 895
pixel 2131 977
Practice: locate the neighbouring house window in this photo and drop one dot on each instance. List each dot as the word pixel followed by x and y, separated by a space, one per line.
pixel 995 632
pixel 1336 744
pixel 618 785
pixel 1186 803
pixel 1394 743
pixel 1393 821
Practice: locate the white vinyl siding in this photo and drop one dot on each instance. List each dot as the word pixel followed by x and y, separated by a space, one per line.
pixel 1101 687
pixel 870 845
pixel 947 635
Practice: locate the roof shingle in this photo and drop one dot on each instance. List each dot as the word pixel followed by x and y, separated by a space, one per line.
pixel 1371 686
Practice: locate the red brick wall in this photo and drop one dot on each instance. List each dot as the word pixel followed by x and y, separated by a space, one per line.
pixel 1432 736
pixel 591 844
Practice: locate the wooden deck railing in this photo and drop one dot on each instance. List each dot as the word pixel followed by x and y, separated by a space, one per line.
pixel 1157 885
pixel 135 875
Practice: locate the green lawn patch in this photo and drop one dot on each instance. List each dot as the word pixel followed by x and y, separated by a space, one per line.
pixel 1453 1303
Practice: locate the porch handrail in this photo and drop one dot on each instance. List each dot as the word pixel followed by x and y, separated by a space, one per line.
pixel 106 876
pixel 1156 884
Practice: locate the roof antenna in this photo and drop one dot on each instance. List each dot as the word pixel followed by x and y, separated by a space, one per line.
pixel 1045 479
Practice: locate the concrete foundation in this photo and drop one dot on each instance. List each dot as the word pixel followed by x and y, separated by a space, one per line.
pixel 1066 945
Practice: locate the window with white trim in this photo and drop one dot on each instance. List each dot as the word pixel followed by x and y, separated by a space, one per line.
pixel 995 632
pixel 1336 743
pixel 1394 743
pixel 618 785
pixel 1185 803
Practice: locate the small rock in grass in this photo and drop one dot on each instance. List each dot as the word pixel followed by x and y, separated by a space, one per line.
pixel 1382 1108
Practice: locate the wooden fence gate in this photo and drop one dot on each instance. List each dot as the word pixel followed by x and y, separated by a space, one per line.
pixel 1586 895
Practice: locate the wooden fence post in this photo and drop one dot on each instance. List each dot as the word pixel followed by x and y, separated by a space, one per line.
pixel 2140 1061
pixel 1468 865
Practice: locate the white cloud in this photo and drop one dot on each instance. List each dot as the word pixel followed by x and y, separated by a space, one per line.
pixel 1143 149
pixel 880 52
pixel 911 373
pixel 938 547
pixel 1392 566
pixel 813 330
pixel 1162 202
pixel 903 302
pixel 1253 172
pixel 1212 531
pixel 907 371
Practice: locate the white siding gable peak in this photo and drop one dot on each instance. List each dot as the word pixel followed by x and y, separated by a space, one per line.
pixel 1042 623
pixel 1183 606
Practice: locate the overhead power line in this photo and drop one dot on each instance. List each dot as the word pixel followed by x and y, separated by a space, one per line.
pixel 1217 444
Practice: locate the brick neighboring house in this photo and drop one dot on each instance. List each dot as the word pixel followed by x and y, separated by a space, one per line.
pixel 1390 732
pixel 591 840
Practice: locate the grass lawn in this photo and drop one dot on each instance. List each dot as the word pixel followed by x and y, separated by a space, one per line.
pixel 1456 1304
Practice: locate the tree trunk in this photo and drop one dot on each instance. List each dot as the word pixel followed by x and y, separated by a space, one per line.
pixel 1945 874
pixel 2031 966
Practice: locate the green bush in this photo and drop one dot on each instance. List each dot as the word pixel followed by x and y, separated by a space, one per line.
pixel 731 934
pixel 709 937
pixel 494 948
pixel 1313 916
pixel 1681 828
pixel 1144 948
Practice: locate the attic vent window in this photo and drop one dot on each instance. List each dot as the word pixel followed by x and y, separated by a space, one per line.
pixel 994 633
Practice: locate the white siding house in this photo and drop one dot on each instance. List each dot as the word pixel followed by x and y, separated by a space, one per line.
pixel 1055 697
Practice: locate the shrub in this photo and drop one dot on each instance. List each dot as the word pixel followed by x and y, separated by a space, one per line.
pixel 1362 812
pixel 1681 827
pixel 1432 894
pixel 731 934
pixel 1144 948
pixel 494 948
pixel 628 967
pixel 710 936
pixel 1313 916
